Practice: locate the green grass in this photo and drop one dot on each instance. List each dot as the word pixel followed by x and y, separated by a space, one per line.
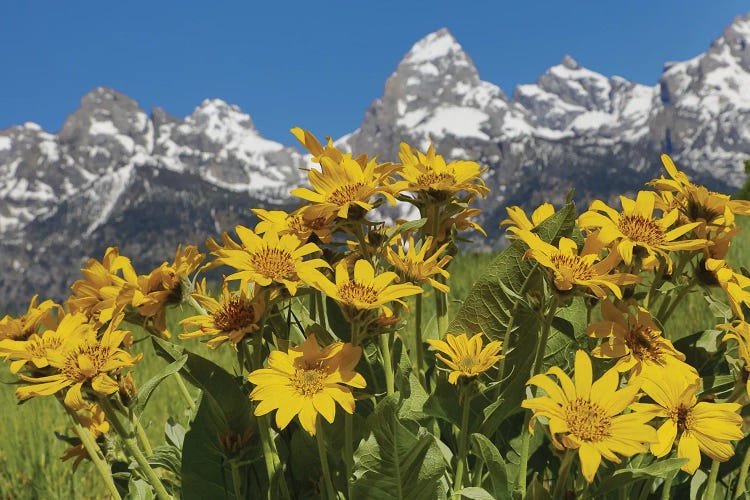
pixel 30 466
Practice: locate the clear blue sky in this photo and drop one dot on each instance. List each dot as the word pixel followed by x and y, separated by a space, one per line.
pixel 317 64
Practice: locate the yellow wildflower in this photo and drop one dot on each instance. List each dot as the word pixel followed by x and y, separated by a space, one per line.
pixel 587 415
pixel 635 339
pixel 300 223
pixel 465 356
pixel 636 231
pixel 740 331
pixel 697 426
pixel 517 218
pixel 571 269
pixel 36 316
pixel 415 266
pixel 307 381
pixel 733 283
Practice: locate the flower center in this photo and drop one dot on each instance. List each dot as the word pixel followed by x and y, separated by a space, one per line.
pixel 352 292
pixel 308 381
pixel 467 363
pixel 641 230
pixel 433 177
pixel 235 314
pixel 697 210
pixel 572 266
pixel 586 420
pixel 85 362
pixel 273 263
pixel 683 416
pixel 346 194
pixel 643 342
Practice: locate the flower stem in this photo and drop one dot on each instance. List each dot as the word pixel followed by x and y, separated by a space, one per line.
pixel 385 350
pixel 418 341
pixel 741 482
pixel 667 308
pixel 463 437
pixel 667 486
pixel 95 453
pixel 348 449
pixel 142 437
pixel 538 364
pixel 236 480
pixel 711 484
pixel 562 476
pixel 330 492
pixel 132 448
pixel 184 391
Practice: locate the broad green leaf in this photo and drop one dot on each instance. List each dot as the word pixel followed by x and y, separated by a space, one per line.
pixel 147 389
pixel 483 448
pixel 223 409
pixel 394 462
pixel 536 491
pixel 622 477
pixel 475 493
pixel 139 489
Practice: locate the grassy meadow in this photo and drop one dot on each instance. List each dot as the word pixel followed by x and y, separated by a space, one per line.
pixel 30 465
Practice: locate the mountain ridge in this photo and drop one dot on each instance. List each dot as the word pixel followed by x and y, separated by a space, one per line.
pixel 117 175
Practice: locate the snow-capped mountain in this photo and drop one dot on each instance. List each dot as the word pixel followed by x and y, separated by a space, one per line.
pixel 117 175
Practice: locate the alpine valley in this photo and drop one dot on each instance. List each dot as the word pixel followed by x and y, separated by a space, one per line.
pixel 115 175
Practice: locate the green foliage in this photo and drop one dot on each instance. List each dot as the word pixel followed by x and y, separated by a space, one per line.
pixel 399 460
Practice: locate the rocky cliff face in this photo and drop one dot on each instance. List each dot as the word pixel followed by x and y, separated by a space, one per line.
pixel 115 175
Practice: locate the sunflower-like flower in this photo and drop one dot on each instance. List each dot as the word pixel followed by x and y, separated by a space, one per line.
pixel 231 319
pixel 461 222
pixel 571 269
pixel 364 291
pixel 713 211
pixel 633 337
pixel 466 357
pixel 82 359
pixel 307 381
pixel 168 284
pixel 300 223
pixel 587 416
pixel 38 347
pixel 740 331
pixel 636 231
pixel 414 265
pixel 343 182
pixel 270 259
pixel 99 293
pixel 733 283
pixel 517 218
pixel 429 173
pixel 36 316
pixel 697 426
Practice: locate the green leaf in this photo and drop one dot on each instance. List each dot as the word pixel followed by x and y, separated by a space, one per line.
pixel 139 489
pixel 147 389
pixel 336 320
pixel 493 300
pixel 622 477
pixel 483 448
pixel 224 408
pixel 536 491
pixel 394 462
pixel 475 493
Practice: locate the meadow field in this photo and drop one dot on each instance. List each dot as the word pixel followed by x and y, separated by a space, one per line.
pixel 30 465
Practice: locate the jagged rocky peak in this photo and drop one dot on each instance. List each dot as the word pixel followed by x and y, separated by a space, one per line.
pixel 736 38
pixel 109 126
pixel 217 118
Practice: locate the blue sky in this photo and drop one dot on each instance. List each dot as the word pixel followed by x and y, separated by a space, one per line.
pixel 317 64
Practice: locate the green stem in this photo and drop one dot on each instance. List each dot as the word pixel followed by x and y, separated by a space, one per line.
pixel 663 315
pixel 562 475
pixel 95 453
pixel 143 438
pixel 667 486
pixel 646 489
pixel 321 310
pixel 132 448
pixel 385 350
pixel 711 485
pixel 538 363
pixel 463 437
pixel 441 310
pixel 348 449
pixel 654 284
pixel 741 482
pixel 236 481
pixel 194 303
pixel 184 391
pixel 418 341
pixel 330 492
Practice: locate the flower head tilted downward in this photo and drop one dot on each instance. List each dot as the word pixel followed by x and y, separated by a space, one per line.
pixel 465 356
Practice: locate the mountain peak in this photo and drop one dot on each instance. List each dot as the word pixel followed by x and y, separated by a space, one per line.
pixel 569 62
pixel 216 110
pixel 437 45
